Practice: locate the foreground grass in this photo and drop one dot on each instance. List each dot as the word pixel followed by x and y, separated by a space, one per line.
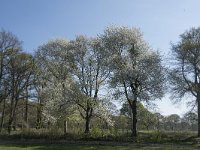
pixel 58 147
pixel 151 140
pixel 151 137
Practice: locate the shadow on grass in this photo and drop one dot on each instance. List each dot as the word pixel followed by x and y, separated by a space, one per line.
pixel 73 147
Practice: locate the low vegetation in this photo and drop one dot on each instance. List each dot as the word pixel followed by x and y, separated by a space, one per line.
pixel 54 147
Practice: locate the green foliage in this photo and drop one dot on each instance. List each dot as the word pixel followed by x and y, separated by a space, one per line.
pixel 97 132
pixel 146 119
pixel 51 134
pixel 109 135
pixel 166 137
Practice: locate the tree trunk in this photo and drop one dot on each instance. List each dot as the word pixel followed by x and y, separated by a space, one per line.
pixel 10 120
pixel 87 124
pixel 12 114
pixel 3 114
pixel 198 109
pixel 14 123
pixel 147 128
pixel 12 104
pixel 134 119
pixel 26 109
pixel 10 124
pixel 65 127
pixel 39 118
pixel 39 115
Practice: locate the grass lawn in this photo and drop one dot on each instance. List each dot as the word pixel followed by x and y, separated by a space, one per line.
pixel 56 147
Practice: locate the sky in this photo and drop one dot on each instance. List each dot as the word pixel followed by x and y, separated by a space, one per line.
pixel 161 22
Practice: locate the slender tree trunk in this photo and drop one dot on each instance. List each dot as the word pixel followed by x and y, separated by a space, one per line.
pixel 12 115
pixel 39 115
pixel 87 125
pixel 26 109
pixel 147 128
pixel 65 127
pixel 14 122
pixel 3 114
pixel 10 120
pixel 134 119
pixel 39 118
pixel 198 109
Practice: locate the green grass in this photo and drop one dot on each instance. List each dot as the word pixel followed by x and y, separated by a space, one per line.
pixel 56 147
pixel 147 140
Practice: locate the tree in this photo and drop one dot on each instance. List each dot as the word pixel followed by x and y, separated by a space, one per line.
pixel 90 75
pixel 125 110
pixel 172 121
pixel 185 73
pixel 191 119
pixel 53 80
pixel 8 42
pixel 146 119
pixel 19 72
pixel 159 120
pixel 136 70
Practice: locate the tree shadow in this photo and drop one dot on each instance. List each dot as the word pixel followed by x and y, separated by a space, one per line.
pixel 88 147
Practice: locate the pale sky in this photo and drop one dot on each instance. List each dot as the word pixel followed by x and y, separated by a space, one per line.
pixel 161 21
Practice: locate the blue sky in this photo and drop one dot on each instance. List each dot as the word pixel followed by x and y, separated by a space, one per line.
pixel 37 21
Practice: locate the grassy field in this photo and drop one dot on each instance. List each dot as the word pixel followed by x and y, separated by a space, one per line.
pixel 145 141
pixel 56 147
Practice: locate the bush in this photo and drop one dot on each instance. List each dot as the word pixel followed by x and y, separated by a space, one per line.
pixel 98 134
pixel 52 133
